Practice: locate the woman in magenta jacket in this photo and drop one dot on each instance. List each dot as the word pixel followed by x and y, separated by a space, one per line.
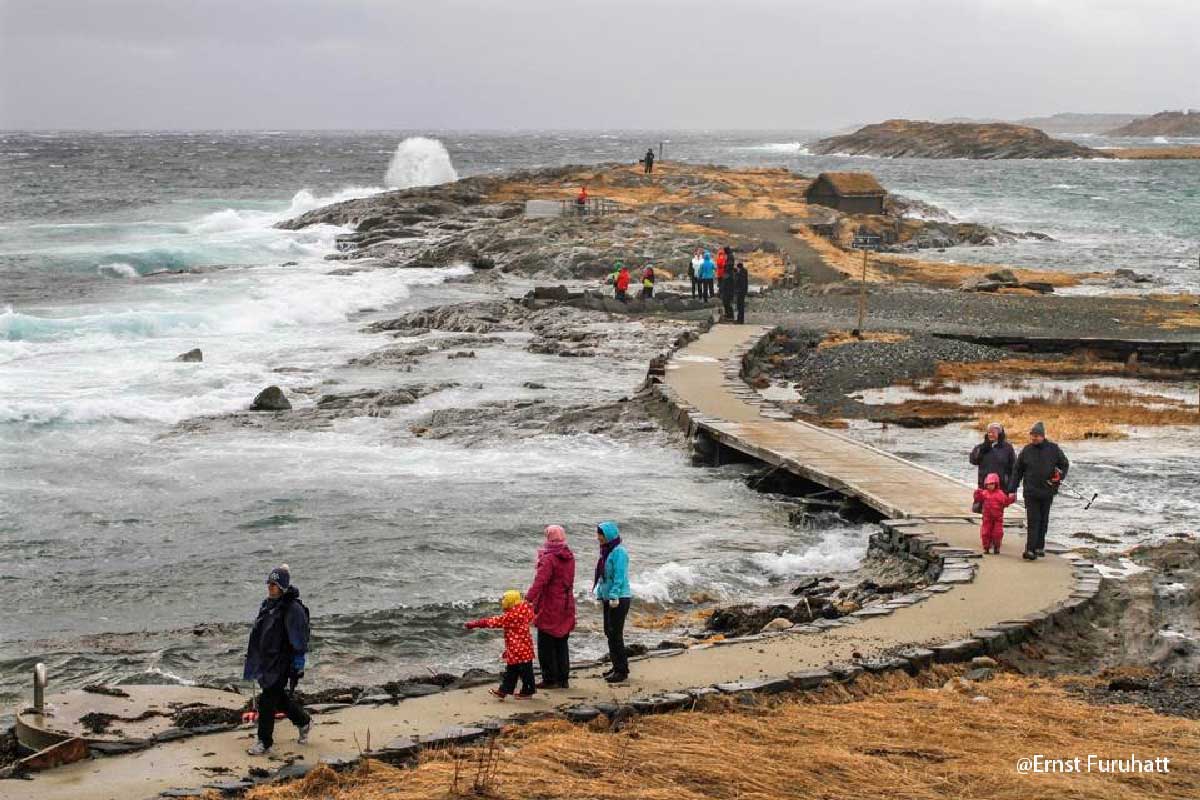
pixel 552 596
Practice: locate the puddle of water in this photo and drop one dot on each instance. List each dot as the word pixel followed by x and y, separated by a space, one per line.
pixel 1017 389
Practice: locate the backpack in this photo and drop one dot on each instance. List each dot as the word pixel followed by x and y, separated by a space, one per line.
pixel 307 619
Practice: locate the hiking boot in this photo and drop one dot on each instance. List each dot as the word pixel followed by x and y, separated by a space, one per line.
pixel 526 695
pixel 1040 553
pixel 497 693
pixel 996 549
pixel 1028 556
pixel 547 685
pixel 617 677
pixel 259 749
pixel 304 731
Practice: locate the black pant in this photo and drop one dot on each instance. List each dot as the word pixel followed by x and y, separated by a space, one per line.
pixel 614 629
pixel 727 305
pixel 706 288
pixel 695 287
pixel 649 166
pixel 620 294
pixel 554 658
pixel 741 308
pixel 276 698
pixel 524 671
pixel 1037 520
pixel 648 291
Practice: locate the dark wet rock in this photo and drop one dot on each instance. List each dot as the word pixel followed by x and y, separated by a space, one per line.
pixel 191 356
pixel 196 716
pixel 109 691
pixel 271 399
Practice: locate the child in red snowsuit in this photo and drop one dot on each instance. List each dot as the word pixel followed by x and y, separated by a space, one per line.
pixel 518 644
pixel 994 500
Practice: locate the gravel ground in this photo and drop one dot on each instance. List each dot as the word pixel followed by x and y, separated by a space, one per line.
pixel 825 376
pixel 928 310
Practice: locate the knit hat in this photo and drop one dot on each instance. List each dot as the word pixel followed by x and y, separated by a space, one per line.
pixel 281 576
pixel 556 533
pixel 1038 429
pixel 995 426
pixel 511 598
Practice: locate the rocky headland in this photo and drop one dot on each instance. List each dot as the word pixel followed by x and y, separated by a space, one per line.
pixel 902 138
pixel 1164 123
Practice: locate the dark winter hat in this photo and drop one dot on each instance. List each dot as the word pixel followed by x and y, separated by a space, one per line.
pixel 281 576
pixel 1038 429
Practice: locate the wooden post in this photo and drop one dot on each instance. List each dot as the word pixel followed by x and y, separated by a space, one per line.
pixel 862 296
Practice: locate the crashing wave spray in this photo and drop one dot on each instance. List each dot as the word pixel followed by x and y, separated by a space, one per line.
pixel 419 161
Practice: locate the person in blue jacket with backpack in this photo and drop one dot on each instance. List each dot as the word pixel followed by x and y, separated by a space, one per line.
pixel 275 656
pixel 708 273
pixel 611 587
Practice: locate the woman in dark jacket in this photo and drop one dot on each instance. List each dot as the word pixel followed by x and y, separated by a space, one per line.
pixel 994 455
pixel 552 596
pixel 275 655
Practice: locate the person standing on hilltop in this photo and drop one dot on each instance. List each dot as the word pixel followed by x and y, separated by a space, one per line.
pixel 611 587
pixel 552 596
pixel 275 655
pixel 994 455
pixel 741 288
pixel 708 271
pixel 581 200
pixel 721 260
pixel 1042 466
pixel 648 282
pixel 694 271
pixel 648 160
pixel 727 294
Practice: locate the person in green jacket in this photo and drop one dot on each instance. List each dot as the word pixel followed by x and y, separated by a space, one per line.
pixel 611 587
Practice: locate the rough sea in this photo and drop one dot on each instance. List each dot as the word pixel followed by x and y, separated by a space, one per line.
pixel 130 554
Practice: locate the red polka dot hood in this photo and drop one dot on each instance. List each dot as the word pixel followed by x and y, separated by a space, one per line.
pixel 518 643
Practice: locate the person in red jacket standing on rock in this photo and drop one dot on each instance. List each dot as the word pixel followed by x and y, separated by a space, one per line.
pixel 518 644
pixel 552 596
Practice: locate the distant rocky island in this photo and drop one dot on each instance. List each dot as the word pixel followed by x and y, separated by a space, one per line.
pixel 1164 123
pixel 902 138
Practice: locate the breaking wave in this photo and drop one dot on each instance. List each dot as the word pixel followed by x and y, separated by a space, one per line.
pixel 419 161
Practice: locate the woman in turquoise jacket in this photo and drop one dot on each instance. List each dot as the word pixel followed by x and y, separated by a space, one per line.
pixel 708 272
pixel 611 586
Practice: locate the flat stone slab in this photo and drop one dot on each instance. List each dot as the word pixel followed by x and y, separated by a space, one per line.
pixel 960 650
pixel 810 678
pixel 452 734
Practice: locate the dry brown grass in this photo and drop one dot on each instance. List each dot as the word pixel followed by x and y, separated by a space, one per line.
pixel 839 338
pixel 892 737
pixel 1082 364
pixel 1157 153
pixel 1096 412
pixel 888 267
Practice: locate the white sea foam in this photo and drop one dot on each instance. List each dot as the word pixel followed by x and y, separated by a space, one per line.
pixel 671 581
pixel 419 161
pixel 1161 140
pixel 798 148
pixel 118 269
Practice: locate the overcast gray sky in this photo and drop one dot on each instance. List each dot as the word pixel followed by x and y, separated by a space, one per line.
pixel 585 63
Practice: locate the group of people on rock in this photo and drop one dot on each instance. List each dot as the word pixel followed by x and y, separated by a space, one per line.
pixel 729 277
pixel 278 647
pixel 621 279
pixel 1040 468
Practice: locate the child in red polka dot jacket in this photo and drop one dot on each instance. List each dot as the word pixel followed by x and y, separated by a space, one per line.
pixel 518 644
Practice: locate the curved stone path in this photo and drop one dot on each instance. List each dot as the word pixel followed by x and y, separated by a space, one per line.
pixel 977 605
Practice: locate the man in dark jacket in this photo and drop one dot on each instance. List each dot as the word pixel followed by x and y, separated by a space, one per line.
pixel 649 160
pixel 1042 466
pixel 275 654
pixel 741 287
pixel 727 295
pixel 994 455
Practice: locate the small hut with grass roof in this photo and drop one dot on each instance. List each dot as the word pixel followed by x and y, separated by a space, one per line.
pixel 848 192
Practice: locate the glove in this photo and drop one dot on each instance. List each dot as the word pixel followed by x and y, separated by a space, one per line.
pixel 614 603
pixel 298 665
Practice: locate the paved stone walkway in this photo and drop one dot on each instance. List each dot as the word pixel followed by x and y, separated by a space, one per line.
pixel 973 595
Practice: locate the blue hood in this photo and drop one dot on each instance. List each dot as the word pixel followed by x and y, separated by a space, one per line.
pixel 609 529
